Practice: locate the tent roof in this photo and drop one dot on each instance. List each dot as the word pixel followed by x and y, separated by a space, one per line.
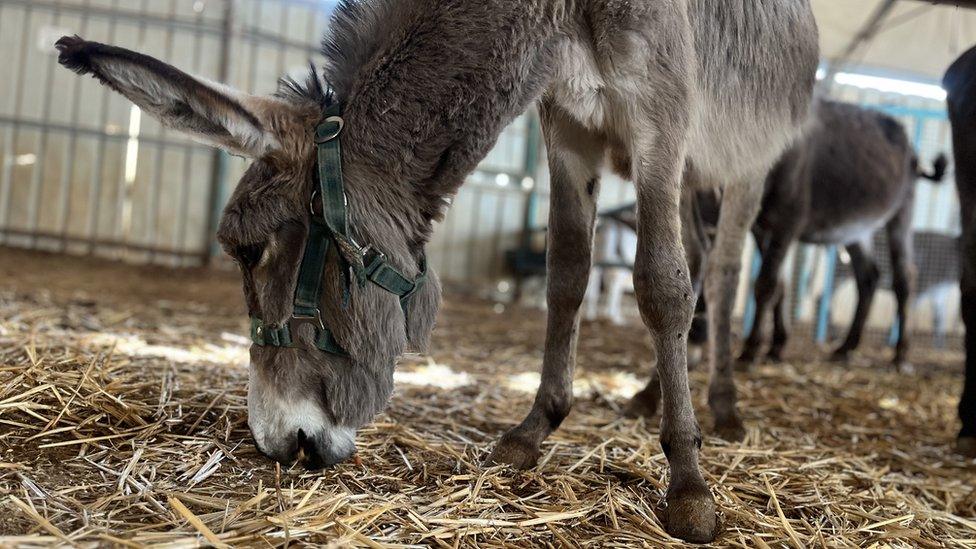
pixel 915 39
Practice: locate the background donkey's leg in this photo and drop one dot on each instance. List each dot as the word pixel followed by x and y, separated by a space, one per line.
pixel 780 333
pixel 902 276
pixel 768 283
pixel 740 206
pixel 866 274
pixel 666 300
pixel 575 156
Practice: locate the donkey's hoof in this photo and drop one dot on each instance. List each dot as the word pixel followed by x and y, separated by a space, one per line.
pixel 903 366
pixel 515 450
pixel 774 356
pixel 643 404
pixel 731 429
pixel 744 365
pixel 840 355
pixel 691 514
pixel 966 447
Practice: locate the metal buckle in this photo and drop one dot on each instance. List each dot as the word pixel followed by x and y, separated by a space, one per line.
pixel 326 138
pixel 297 321
pixel 379 257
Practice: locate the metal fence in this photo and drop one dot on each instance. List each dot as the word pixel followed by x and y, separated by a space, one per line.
pixel 82 171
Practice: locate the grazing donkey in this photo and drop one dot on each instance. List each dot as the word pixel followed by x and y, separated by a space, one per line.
pixel 960 82
pixel 425 88
pixel 853 173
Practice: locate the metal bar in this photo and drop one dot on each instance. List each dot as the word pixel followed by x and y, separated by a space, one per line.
pixel 529 179
pixel 867 32
pixel 70 151
pixel 219 166
pixel 7 179
pixel 155 195
pixel 106 243
pixel 66 128
pixel 98 166
pixel 749 315
pixel 160 21
pixel 188 155
pixel 823 311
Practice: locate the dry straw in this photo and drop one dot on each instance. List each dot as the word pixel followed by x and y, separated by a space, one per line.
pixel 123 422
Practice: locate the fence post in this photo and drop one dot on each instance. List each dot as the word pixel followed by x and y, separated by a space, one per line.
pixel 823 311
pixel 218 168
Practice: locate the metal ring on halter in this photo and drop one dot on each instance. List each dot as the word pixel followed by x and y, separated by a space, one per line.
pixel 311 202
pixel 326 138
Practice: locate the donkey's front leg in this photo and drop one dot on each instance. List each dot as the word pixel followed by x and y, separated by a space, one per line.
pixel 666 300
pixel 740 206
pixel 575 156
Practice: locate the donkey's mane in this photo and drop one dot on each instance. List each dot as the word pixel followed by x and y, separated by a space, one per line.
pixel 312 89
pixel 356 32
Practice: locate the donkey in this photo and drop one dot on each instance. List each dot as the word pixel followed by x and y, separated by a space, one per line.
pixel 936 267
pixel 424 89
pixel 853 173
pixel 960 83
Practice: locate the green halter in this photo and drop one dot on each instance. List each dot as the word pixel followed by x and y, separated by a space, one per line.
pixel 365 262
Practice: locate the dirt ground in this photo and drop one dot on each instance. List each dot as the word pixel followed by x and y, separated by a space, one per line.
pixel 123 422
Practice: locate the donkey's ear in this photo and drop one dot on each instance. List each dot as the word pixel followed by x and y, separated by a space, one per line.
pixel 210 112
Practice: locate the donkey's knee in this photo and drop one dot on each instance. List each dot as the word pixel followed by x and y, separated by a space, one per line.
pixel 665 297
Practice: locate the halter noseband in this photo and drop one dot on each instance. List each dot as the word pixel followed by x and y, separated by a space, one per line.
pixel 366 263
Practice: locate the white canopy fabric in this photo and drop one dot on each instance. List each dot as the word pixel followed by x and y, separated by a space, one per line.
pixel 916 40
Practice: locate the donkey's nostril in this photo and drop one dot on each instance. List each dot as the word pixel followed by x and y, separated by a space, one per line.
pixel 324 449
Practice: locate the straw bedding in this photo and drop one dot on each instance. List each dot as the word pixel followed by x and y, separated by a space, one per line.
pixel 123 422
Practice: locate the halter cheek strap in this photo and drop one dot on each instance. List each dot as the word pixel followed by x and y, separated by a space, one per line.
pixel 366 263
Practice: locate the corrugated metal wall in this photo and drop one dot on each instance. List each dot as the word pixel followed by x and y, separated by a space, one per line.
pixel 81 171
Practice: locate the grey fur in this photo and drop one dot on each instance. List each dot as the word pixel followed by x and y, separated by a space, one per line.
pixel 427 86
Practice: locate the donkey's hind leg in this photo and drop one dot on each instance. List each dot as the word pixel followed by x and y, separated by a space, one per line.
pixel 740 206
pixel 768 285
pixel 575 156
pixel 867 276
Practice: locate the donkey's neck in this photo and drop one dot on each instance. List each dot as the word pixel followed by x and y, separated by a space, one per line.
pixel 428 87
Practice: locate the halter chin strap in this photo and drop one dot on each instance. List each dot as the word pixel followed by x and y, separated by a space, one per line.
pixel 364 262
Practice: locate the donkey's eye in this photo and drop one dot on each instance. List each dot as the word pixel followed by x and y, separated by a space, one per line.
pixel 248 256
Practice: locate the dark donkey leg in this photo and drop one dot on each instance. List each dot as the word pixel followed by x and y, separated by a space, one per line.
pixel 866 274
pixel 740 205
pixel 768 285
pixel 575 155
pixel 903 276
pixel 966 444
pixel 780 332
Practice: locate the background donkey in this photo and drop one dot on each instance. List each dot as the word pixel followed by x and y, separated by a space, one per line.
pixel 853 173
pixel 960 82
pixel 935 262
pixel 426 88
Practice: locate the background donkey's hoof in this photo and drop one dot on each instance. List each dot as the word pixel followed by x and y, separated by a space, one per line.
pixel 644 403
pixel 731 430
pixel 691 514
pixel 515 450
pixel 966 446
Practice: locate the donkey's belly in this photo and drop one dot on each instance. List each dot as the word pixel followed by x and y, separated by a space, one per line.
pixel 757 63
pixel 741 80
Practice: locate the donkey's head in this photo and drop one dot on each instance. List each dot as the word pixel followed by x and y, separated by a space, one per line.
pixel 300 397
